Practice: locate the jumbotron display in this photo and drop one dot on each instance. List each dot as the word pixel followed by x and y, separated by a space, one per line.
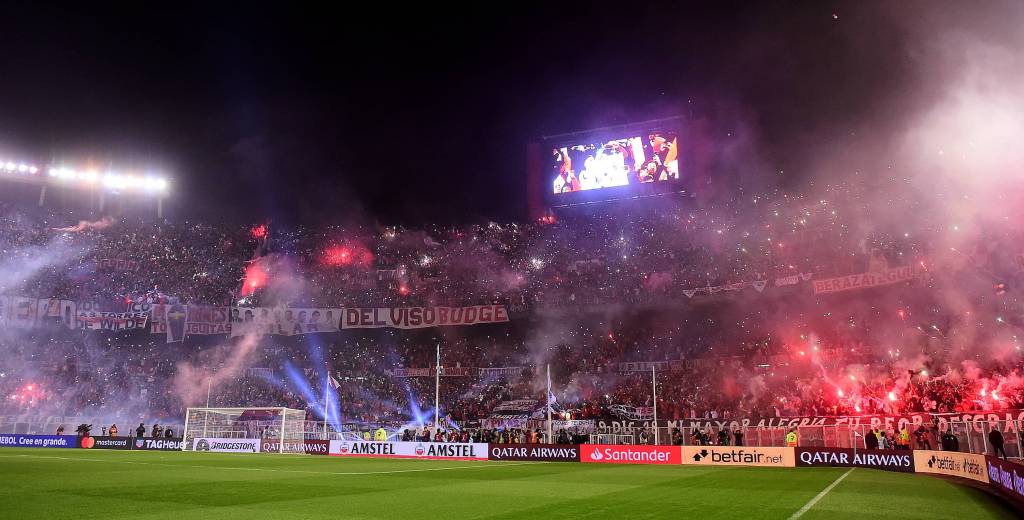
pixel 634 158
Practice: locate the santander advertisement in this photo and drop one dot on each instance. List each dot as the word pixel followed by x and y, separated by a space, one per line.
pixel 624 454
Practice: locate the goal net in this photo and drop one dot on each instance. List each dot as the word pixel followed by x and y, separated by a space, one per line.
pixel 245 430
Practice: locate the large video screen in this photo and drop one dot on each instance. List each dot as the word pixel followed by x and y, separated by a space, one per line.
pixel 649 157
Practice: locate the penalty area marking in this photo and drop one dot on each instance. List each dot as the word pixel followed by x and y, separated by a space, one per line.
pixel 820 496
pixel 273 470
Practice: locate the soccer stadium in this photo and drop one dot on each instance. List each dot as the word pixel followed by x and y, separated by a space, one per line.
pixel 638 262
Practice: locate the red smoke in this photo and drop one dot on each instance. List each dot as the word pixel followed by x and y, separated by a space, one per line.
pixel 259 231
pixel 255 277
pixel 341 255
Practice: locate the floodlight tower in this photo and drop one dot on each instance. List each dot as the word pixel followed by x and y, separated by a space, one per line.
pixel 95 181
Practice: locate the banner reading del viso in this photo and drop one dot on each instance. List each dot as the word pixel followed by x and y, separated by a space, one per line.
pixel 421 317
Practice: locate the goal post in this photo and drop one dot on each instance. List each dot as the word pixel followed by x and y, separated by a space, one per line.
pixel 245 430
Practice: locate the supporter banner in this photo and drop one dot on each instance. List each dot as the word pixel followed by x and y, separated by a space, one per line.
pixel 56 312
pixel 1007 421
pixel 430 372
pixel 226 445
pixel 18 312
pixel 738 456
pixel 518 405
pixel 93 320
pixel 757 285
pixel 534 452
pixel 105 443
pixel 500 372
pixel 38 441
pixel 285 321
pixel 644 366
pixel 418 450
pixel 175 317
pixel 157 315
pixel 167 319
pixel 1006 478
pixel 158 443
pixel 864 280
pixel 641 413
pixel 954 464
pixel 203 320
pixel 500 423
pixel 628 454
pixel 117 264
pixel 578 425
pixel 421 317
pixel 845 457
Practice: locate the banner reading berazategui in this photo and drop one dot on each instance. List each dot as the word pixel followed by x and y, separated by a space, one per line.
pixel 421 317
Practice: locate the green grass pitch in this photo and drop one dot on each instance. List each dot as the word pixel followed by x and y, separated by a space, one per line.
pixel 56 484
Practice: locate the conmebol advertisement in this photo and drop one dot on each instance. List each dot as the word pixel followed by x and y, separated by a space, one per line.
pixel 409 450
pixel 626 454
pixel 38 441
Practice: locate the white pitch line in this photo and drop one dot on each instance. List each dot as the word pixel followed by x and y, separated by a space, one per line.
pixel 272 470
pixel 821 495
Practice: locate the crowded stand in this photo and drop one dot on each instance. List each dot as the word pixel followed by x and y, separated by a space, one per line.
pixel 718 299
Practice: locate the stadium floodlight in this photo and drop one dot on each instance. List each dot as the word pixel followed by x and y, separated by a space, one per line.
pixel 115 181
pixel 154 184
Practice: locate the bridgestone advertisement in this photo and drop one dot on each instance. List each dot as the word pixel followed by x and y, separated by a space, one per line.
pixel 738 456
pixel 953 464
pixel 534 452
pixel 38 441
pixel 411 450
pixel 105 443
pixel 847 457
pixel 627 454
pixel 158 443
pixel 226 445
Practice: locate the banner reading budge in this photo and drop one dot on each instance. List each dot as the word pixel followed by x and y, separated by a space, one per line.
pixel 421 317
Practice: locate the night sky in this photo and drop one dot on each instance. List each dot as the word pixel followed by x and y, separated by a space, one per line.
pixel 422 114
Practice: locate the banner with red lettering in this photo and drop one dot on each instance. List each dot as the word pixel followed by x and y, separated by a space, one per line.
pixel 421 317
pixel 864 280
